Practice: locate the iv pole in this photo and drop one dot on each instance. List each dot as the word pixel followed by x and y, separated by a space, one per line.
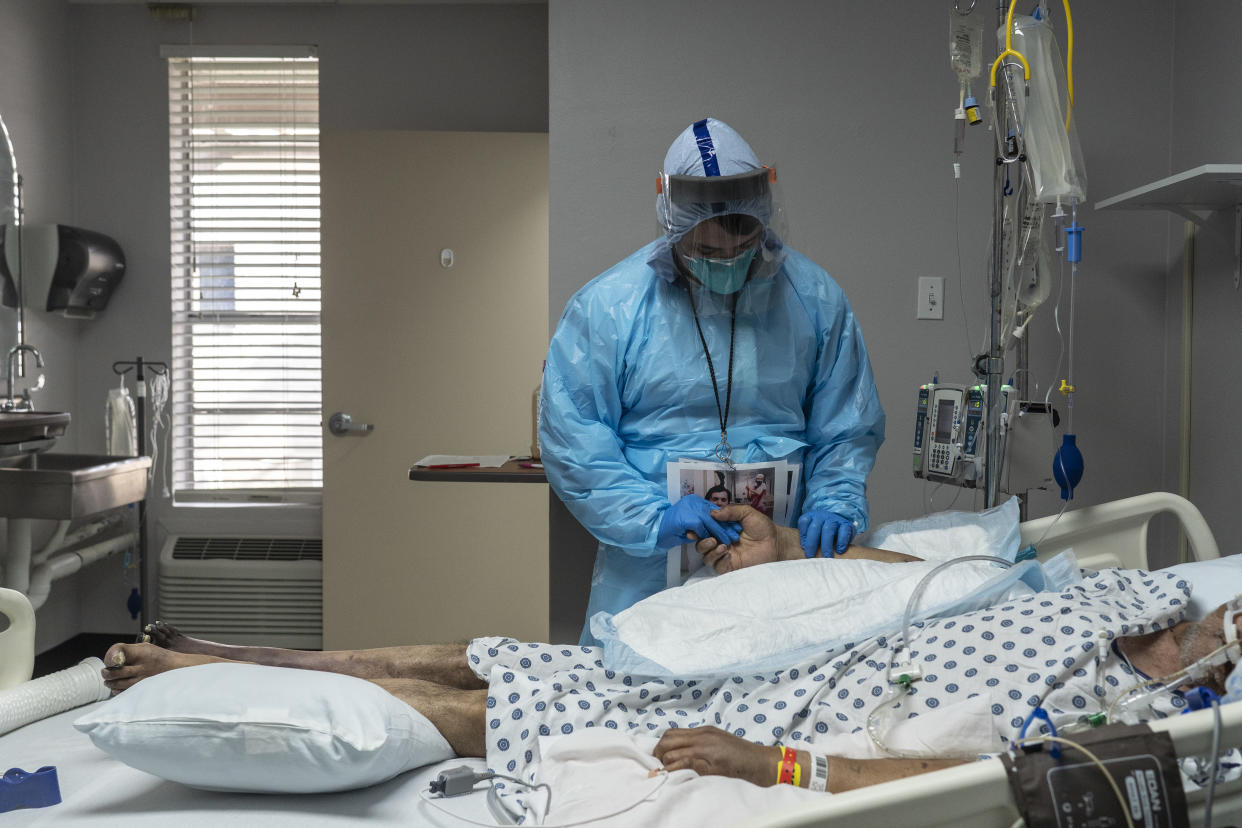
pixel 123 368
pixel 994 357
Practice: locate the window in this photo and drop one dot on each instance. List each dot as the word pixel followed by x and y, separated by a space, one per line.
pixel 244 178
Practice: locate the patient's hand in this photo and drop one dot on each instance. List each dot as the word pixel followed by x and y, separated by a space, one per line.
pixel 762 541
pixel 710 751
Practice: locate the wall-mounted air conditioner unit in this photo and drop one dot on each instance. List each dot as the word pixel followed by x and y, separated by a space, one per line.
pixel 244 590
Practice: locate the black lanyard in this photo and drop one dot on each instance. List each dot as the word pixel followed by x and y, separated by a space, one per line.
pixel 724 452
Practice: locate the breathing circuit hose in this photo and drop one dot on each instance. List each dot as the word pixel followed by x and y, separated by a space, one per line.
pixel 903 684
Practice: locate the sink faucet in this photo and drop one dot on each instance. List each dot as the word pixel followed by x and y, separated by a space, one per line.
pixel 9 403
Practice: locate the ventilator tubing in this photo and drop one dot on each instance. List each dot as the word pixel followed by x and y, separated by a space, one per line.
pixel 1048 122
pixel 52 694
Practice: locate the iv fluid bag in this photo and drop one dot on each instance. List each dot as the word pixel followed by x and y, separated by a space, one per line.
pixel 1025 266
pixel 1052 150
pixel 966 44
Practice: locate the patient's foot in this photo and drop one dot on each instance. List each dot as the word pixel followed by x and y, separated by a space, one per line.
pixel 171 638
pixel 127 664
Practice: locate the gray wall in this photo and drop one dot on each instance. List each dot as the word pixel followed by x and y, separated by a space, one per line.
pixel 1206 124
pixel 36 102
pixel 854 107
pixel 84 91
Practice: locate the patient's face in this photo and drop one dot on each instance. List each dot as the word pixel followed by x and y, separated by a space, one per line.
pixel 719 498
pixel 1198 639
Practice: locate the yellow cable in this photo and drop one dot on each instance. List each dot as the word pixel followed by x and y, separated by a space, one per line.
pixel 1069 64
pixel 1009 50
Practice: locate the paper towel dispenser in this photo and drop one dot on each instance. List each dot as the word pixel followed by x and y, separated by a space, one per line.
pixel 78 268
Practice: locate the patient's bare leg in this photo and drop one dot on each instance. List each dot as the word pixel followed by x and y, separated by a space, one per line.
pixel 459 715
pixel 444 664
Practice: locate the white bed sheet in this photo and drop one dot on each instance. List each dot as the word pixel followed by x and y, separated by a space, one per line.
pixel 97 790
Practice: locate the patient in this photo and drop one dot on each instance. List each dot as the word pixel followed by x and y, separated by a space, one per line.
pixel 1072 652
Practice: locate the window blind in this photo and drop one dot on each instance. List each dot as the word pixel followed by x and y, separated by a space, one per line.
pixel 244 178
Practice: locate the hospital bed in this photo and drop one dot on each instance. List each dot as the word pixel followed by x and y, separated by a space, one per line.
pixel 98 790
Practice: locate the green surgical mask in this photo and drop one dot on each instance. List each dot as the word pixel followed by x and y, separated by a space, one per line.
pixel 721 275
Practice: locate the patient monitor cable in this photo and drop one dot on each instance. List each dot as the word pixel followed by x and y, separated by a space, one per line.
pixel 462 780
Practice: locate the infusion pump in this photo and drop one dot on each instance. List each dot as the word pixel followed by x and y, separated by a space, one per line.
pixel 950 432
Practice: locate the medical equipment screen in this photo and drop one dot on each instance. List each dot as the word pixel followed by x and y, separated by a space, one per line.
pixel 944 420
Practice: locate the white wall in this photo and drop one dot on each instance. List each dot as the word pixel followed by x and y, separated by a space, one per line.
pixel 855 105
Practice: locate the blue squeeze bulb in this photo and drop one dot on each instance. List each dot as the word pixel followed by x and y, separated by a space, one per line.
pixel 1067 466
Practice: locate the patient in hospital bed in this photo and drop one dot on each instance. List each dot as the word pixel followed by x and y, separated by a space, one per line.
pixel 1073 652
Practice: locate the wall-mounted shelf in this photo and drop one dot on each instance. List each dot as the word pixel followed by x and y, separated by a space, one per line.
pixel 1194 195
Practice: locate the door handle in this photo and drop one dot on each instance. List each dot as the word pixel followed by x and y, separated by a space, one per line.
pixel 341 424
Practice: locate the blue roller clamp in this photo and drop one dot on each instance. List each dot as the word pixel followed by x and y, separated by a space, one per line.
pixel 19 789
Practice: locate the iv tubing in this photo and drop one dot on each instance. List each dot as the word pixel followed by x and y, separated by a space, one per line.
pixel 922 585
pixel 1070 348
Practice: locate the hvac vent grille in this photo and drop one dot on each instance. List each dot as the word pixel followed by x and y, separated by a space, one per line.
pixel 248 549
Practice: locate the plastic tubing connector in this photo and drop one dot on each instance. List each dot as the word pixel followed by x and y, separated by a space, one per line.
pixel 1073 242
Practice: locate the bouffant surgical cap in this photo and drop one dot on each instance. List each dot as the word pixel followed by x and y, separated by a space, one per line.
pixel 711 171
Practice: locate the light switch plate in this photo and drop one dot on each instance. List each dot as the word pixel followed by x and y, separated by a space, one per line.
pixel 931 298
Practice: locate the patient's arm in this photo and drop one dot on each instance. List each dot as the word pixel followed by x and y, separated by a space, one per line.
pixel 710 751
pixel 762 541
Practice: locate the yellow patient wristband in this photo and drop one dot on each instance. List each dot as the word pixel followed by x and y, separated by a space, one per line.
pixel 789 770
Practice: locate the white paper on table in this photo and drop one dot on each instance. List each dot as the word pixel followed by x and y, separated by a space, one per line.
pixel 484 461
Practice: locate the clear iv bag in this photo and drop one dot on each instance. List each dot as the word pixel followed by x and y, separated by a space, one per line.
pixel 1050 145
pixel 966 44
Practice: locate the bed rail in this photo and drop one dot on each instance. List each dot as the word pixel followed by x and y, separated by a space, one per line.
pixel 976 795
pixel 1115 533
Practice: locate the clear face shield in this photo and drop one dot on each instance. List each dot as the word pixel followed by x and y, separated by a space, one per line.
pixel 725 230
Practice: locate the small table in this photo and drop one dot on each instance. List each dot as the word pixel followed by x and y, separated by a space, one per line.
pixel 510 472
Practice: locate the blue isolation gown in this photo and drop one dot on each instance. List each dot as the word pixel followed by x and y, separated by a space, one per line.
pixel 626 390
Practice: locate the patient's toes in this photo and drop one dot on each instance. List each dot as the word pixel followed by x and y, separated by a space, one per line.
pixel 163 635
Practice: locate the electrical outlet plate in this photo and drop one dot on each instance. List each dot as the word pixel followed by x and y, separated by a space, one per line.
pixel 931 298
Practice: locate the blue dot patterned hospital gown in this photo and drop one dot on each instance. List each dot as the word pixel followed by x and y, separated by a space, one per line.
pixel 1013 654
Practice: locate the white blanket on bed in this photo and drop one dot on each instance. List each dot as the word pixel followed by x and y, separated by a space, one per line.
pixel 764 618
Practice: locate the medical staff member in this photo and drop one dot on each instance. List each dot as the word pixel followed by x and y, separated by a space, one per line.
pixel 715 342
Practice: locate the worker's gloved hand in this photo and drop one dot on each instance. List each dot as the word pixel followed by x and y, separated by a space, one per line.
pixel 693 514
pixel 820 529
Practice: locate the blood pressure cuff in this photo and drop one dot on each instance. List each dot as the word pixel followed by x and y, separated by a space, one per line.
pixel 1071 791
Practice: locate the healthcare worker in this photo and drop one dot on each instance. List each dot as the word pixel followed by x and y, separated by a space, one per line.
pixel 716 342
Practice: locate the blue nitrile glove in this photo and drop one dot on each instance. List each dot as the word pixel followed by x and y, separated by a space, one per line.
pixel 694 514
pixel 820 529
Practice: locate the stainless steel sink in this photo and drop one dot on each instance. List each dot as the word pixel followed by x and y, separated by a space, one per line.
pixel 35 429
pixel 64 486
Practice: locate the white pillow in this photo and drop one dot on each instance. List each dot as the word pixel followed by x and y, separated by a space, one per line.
pixel 944 535
pixel 1213 582
pixel 246 727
